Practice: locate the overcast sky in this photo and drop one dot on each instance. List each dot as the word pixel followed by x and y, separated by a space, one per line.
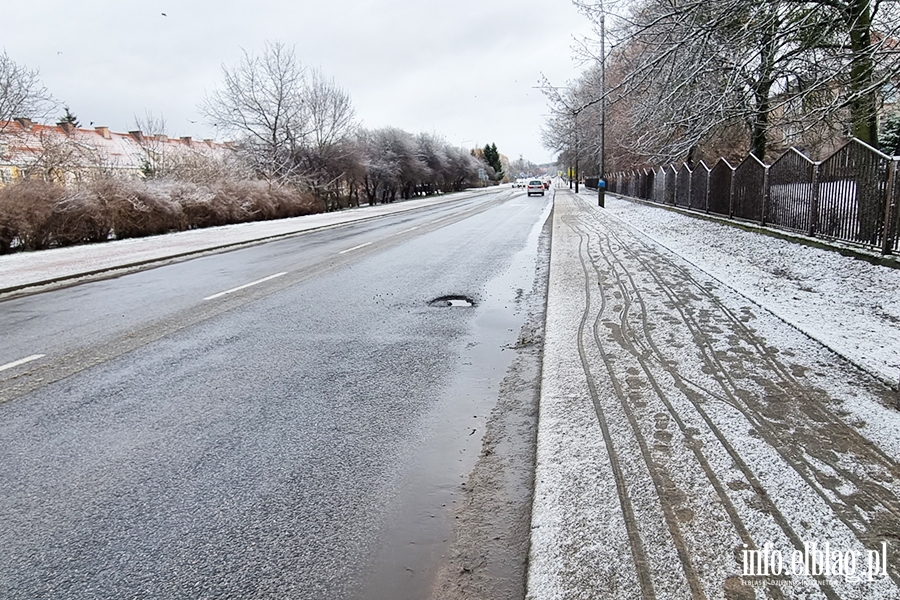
pixel 464 69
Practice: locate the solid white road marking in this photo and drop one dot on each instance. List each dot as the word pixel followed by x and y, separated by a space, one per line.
pixel 355 248
pixel 21 361
pixel 246 285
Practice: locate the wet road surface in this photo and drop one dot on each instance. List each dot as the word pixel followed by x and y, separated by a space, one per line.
pixel 290 420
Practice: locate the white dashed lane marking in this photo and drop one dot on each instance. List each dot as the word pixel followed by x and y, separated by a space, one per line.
pixel 246 285
pixel 21 361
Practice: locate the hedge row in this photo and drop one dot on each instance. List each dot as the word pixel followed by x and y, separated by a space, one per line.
pixel 35 214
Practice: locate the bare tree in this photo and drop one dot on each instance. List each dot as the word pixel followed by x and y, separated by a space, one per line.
pixel 152 136
pixel 292 122
pixel 261 103
pixel 319 155
pixel 21 93
pixel 572 127
pixel 694 69
pixel 329 110
pixel 64 156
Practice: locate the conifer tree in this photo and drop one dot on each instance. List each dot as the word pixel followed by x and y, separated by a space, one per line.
pixel 69 118
pixel 492 158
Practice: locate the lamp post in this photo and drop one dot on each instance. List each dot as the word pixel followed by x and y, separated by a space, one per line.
pixel 575 123
pixel 601 181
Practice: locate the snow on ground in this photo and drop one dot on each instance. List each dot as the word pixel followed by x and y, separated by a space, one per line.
pixel 680 425
pixel 33 268
pixel 850 305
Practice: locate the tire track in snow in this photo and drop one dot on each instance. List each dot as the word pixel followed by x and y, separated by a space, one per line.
pixel 866 494
pixel 775 432
pixel 661 483
pixel 629 289
pixel 689 434
pixel 638 551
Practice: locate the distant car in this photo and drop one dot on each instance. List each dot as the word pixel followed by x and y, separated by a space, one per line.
pixel 535 187
pixel 546 184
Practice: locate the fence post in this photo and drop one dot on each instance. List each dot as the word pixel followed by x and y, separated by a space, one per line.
pixel 689 186
pixel 890 208
pixel 765 198
pixel 731 196
pixel 706 195
pixel 814 202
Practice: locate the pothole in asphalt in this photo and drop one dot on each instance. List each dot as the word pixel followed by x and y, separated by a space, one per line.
pixel 452 300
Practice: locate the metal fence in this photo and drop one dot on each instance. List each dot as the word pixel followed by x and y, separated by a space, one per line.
pixel 851 196
pixel 699 187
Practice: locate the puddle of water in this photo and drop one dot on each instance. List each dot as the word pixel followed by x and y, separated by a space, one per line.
pixel 453 301
pixel 418 538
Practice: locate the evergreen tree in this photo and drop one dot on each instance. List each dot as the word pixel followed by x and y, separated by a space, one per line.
pixel 492 158
pixel 890 135
pixel 69 118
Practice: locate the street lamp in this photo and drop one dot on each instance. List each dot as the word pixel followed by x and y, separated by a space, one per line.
pixel 575 120
pixel 601 181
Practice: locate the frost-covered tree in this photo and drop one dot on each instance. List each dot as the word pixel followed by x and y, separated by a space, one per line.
pixel 432 151
pixel 21 93
pixel 396 164
pixel 291 121
pixel 261 103
pixel 393 164
pixel 463 169
pixel 890 135
pixel 522 165
pixel 692 70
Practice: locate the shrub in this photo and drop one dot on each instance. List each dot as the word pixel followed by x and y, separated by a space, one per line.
pixel 27 214
pixel 35 214
pixel 140 209
pixel 80 218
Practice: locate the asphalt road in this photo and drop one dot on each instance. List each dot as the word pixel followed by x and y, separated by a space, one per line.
pixel 288 420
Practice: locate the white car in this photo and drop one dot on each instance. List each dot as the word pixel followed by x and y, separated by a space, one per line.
pixel 535 186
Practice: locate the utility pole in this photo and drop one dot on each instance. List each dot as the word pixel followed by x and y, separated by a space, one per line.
pixel 601 181
pixel 575 121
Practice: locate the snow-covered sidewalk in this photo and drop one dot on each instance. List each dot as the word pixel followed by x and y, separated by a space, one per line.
pixel 26 269
pixel 683 427
pixel 850 305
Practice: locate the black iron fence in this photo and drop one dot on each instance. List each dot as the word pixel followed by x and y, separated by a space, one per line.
pixel 851 196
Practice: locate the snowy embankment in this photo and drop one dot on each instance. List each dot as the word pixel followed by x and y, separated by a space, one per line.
pixel 850 305
pixel 46 266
